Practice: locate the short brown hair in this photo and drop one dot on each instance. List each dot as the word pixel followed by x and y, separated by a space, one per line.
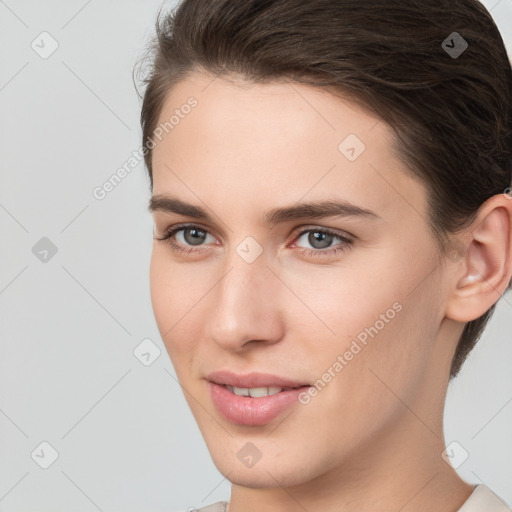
pixel 450 106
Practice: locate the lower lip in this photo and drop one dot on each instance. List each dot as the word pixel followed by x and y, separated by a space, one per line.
pixel 252 411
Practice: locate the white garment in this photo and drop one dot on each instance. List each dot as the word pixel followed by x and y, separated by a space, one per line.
pixel 482 499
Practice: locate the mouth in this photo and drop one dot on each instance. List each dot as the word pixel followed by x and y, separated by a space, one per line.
pixel 253 406
pixel 254 382
pixel 259 391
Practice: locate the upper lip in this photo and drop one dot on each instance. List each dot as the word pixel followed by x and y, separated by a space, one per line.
pixel 253 380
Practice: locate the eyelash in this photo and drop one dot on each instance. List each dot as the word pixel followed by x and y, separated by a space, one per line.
pixel 177 247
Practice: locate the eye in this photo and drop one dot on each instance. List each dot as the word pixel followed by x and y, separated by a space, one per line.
pixel 188 236
pixel 320 239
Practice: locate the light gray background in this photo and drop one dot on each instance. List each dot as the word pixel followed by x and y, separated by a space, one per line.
pixel 124 434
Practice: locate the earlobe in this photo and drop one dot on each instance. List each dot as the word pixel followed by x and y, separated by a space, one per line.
pixel 487 262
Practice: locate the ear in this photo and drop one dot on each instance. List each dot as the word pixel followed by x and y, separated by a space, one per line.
pixel 484 269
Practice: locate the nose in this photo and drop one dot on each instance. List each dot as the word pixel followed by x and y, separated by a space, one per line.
pixel 246 305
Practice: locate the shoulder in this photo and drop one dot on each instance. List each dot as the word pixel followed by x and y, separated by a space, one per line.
pixel 483 499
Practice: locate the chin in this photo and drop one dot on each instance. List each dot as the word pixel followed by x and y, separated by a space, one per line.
pixel 271 473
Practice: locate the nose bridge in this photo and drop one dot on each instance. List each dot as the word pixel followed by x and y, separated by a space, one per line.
pixel 245 300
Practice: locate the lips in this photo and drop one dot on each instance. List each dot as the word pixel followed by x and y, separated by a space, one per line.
pixel 253 380
pixel 249 411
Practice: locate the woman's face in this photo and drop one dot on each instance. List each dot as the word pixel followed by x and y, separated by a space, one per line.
pixel 358 309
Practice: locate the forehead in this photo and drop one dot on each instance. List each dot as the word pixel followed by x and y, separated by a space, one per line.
pixel 232 108
pixel 287 138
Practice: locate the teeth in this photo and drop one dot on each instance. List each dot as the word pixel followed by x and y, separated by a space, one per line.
pixel 256 392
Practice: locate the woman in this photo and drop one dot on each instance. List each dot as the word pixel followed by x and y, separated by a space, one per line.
pixel 330 192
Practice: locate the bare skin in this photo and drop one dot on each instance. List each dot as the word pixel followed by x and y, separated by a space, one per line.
pixel 372 438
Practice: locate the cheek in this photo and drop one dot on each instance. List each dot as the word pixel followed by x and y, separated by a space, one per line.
pixel 169 294
pixel 178 297
pixel 340 303
pixel 158 283
pixel 360 328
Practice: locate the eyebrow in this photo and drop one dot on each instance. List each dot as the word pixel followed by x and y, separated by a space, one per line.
pixel 312 210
